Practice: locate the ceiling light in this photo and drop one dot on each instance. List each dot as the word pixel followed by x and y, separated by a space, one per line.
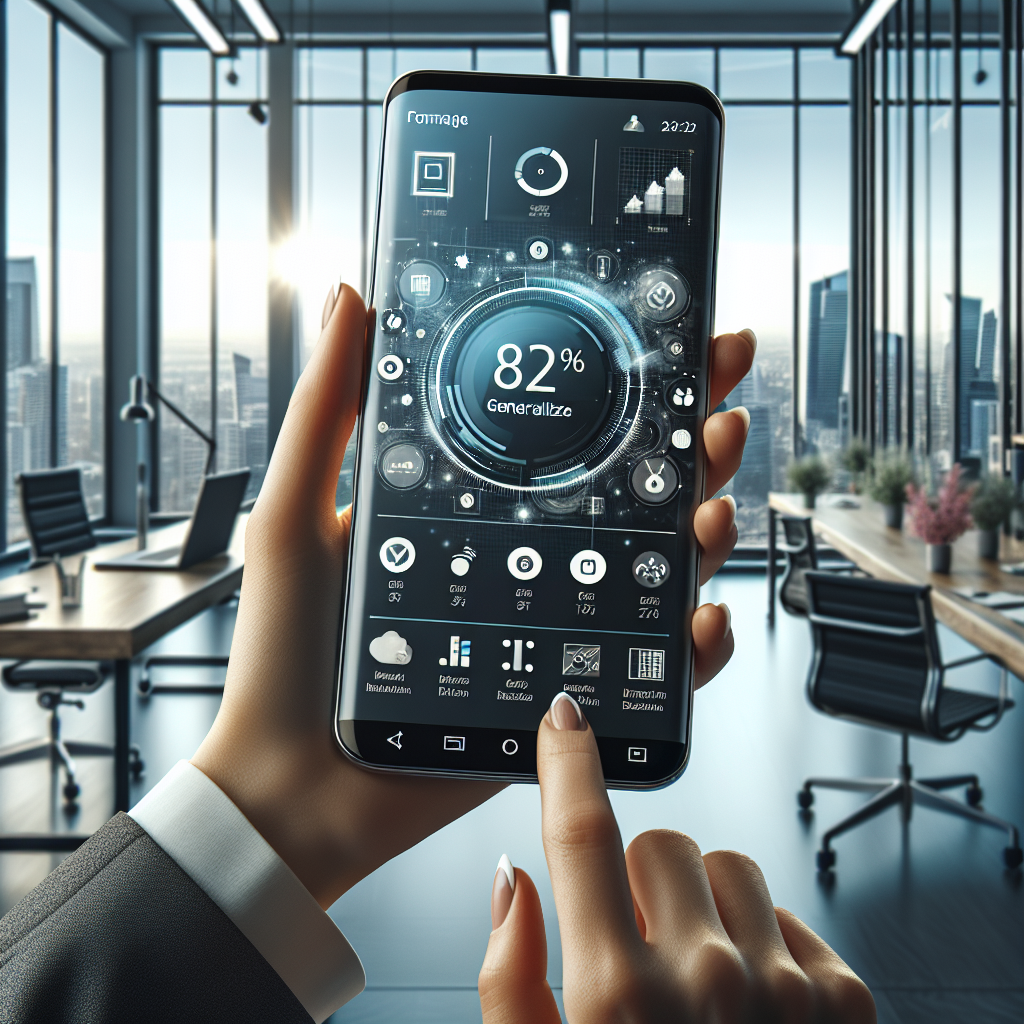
pixel 203 25
pixel 864 24
pixel 559 34
pixel 260 19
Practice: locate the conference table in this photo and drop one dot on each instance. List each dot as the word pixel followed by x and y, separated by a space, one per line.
pixel 122 612
pixel 862 536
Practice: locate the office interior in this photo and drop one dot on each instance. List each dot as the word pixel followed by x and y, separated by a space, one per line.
pixel 175 214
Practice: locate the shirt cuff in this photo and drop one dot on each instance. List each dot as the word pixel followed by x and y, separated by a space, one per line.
pixel 196 824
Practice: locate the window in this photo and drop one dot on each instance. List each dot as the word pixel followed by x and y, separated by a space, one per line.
pixel 213 258
pixel 55 254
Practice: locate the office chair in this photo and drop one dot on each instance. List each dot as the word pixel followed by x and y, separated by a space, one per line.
pixel 876 661
pixel 801 557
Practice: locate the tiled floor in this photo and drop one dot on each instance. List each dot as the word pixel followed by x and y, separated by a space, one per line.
pixel 924 911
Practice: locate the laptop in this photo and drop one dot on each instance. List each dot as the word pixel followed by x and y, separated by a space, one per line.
pixel 209 530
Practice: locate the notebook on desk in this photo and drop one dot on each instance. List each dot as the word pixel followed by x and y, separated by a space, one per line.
pixel 209 530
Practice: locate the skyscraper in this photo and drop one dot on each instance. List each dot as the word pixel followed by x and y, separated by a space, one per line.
pixel 22 313
pixel 826 349
pixel 975 381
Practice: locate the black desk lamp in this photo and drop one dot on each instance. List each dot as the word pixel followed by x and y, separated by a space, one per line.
pixel 140 411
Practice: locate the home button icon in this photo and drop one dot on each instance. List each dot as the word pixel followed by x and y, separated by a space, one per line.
pixel 510 747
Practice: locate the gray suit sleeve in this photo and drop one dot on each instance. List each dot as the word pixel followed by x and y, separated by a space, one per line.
pixel 118 932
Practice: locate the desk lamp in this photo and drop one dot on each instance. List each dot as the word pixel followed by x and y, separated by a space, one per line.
pixel 138 410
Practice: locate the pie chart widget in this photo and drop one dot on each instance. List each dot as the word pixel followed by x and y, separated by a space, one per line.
pixel 541 171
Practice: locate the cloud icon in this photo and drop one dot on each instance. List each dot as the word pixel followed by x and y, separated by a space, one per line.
pixel 391 649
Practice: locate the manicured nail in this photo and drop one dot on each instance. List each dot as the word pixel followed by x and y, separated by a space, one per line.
pixel 502 891
pixel 728 619
pixel 731 501
pixel 332 298
pixel 744 413
pixel 566 714
pixel 750 336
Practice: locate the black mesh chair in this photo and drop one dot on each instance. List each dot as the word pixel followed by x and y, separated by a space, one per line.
pixel 801 557
pixel 876 661
pixel 54 513
pixel 55 517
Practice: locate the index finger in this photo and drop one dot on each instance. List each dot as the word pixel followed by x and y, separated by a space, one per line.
pixel 730 358
pixel 581 841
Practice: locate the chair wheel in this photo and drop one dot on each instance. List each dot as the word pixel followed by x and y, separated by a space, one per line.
pixel 1012 857
pixel 975 794
pixel 71 791
pixel 805 798
pixel 826 860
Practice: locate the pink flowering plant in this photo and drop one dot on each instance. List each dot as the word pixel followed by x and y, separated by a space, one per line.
pixel 940 520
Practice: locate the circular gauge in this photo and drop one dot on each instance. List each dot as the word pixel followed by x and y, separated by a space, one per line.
pixel 531 385
pixel 542 171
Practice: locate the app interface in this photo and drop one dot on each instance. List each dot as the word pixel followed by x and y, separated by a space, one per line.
pixel 529 457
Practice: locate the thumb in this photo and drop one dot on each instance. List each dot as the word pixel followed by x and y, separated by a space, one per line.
pixel 513 980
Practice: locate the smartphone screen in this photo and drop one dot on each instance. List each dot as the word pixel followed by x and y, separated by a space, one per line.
pixel 529 456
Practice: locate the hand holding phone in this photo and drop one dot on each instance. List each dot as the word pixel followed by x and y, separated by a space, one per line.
pixel 271 748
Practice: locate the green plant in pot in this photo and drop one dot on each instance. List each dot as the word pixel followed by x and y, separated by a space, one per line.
pixel 993 501
pixel 889 487
pixel 810 476
pixel 856 460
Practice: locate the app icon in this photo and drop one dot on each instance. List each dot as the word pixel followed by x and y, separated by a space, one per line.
pixel 403 466
pixel 458 653
pixel 672 345
pixel 397 554
pixel 681 395
pixel 433 174
pixel 392 321
pixel 681 438
pixel 539 249
pixel 646 663
pixel 422 283
pixel 391 649
pixel 463 560
pixel 603 266
pixel 592 506
pixel 516 664
pixel 390 368
pixel 661 292
pixel 654 480
pixel 541 171
pixel 637 754
pixel 455 743
pixel 525 563
pixel 581 660
pixel 650 569
pixel 588 566
pixel 467 502
pixel 633 125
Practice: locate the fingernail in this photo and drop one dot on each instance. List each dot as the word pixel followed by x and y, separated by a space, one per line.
pixel 744 413
pixel 566 714
pixel 332 298
pixel 728 619
pixel 750 336
pixel 502 891
pixel 732 504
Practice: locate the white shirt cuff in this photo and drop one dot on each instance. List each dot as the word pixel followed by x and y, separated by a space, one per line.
pixel 196 824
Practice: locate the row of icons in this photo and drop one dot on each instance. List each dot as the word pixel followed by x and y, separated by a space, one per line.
pixel 650 569
pixel 661 292
pixel 645 664
pixel 655 479
pixel 541 171
pixel 457 745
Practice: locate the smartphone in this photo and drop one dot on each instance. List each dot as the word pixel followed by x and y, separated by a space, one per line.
pixel 529 455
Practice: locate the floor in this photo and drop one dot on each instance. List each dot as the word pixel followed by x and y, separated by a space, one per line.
pixel 924 911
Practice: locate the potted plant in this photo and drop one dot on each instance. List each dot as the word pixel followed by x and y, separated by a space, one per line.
pixel 810 476
pixel 856 460
pixel 940 520
pixel 889 486
pixel 993 501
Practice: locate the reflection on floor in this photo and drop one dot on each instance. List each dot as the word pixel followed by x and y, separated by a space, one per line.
pixel 924 911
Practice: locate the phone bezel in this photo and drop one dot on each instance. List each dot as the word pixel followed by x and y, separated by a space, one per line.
pixel 547 85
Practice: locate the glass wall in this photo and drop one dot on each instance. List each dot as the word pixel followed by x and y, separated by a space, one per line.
pixel 55 254
pixel 213 259
pixel 784 247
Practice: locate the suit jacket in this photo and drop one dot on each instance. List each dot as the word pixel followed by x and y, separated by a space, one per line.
pixel 119 932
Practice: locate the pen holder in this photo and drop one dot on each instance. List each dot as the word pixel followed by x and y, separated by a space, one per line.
pixel 70 581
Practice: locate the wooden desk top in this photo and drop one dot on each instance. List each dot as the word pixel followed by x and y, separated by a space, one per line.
pixel 862 536
pixel 122 611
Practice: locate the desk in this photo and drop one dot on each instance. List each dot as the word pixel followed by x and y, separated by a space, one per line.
pixel 862 536
pixel 122 613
